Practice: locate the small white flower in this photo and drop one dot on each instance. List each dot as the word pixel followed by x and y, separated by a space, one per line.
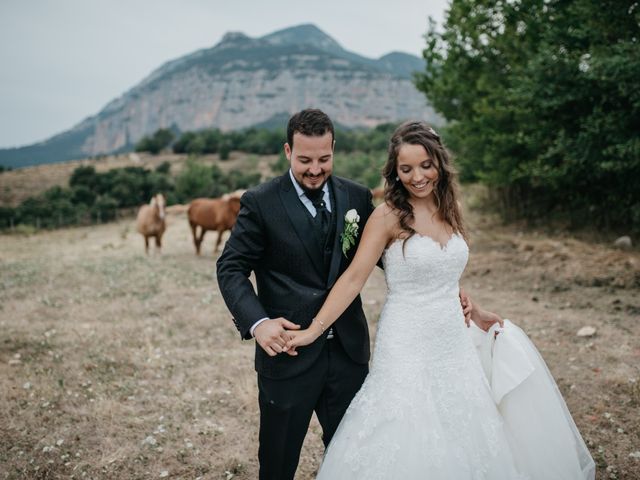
pixel 348 236
pixel 352 216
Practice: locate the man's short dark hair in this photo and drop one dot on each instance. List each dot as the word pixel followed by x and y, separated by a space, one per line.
pixel 310 122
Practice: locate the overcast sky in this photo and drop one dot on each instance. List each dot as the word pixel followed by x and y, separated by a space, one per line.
pixel 63 60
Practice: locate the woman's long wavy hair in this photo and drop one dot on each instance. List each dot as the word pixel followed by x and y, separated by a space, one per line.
pixel 445 190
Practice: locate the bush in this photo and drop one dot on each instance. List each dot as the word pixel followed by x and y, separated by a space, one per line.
pixel 164 168
pixel 195 180
pixel 104 209
pixel 225 150
pixel 7 217
pixel 85 176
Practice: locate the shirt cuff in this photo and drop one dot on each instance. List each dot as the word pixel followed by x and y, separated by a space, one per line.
pixel 252 329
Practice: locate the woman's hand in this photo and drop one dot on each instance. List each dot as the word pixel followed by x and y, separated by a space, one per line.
pixel 467 306
pixel 300 338
pixel 485 319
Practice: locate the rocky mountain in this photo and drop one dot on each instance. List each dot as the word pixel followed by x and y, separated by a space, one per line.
pixel 241 82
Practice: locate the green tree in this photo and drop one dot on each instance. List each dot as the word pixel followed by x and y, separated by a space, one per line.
pixel 164 168
pixel 81 194
pixel 225 150
pixel 104 209
pixel 161 139
pixel 195 180
pixel 180 145
pixel 542 103
pixel 8 217
pixel 85 176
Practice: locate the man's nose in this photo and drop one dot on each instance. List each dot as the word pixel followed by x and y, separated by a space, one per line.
pixel 315 169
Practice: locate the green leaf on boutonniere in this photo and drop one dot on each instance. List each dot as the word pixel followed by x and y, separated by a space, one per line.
pixel 348 236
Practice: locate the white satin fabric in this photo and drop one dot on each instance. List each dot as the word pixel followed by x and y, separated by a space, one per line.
pixel 543 438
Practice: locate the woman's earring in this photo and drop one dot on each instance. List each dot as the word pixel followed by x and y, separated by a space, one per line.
pixel 397 178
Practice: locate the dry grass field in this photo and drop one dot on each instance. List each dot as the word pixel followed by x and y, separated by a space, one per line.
pixel 115 365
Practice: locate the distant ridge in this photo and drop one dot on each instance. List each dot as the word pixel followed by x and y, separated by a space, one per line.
pixel 241 82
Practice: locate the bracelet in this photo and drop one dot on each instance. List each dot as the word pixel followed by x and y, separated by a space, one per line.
pixel 320 322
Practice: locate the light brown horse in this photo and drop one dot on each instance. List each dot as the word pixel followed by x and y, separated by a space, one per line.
pixel 217 214
pixel 151 221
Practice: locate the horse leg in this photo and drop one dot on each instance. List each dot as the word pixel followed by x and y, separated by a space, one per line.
pixel 159 243
pixel 220 232
pixel 201 237
pixel 146 245
pixel 194 229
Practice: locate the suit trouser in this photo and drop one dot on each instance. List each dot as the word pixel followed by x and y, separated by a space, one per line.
pixel 286 407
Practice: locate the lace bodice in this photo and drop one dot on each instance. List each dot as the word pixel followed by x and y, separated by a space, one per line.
pixel 424 271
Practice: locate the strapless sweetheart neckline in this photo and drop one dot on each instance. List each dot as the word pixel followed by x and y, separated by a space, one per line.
pixel 441 247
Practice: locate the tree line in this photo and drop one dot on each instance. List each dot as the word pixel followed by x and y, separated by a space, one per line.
pixel 257 141
pixel 543 105
pixel 94 197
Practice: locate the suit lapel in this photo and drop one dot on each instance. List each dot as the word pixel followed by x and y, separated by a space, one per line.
pixel 341 196
pixel 300 221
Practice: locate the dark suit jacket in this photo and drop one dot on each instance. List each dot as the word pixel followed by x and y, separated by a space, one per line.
pixel 274 238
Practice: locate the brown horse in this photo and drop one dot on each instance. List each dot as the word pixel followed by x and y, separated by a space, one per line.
pixel 151 222
pixel 378 195
pixel 217 214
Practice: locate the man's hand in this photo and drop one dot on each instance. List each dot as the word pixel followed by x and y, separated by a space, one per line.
pixel 467 306
pixel 272 335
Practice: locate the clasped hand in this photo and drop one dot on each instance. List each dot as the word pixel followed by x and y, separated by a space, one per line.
pixel 302 338
pixel 279 335
pixel 273 334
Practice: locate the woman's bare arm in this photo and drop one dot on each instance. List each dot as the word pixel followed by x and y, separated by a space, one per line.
pixel 378 232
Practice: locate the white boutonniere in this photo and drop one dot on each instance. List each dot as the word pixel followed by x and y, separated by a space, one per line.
pixel 348 236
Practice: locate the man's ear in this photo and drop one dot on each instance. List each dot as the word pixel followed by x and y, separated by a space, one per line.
pixel 287 151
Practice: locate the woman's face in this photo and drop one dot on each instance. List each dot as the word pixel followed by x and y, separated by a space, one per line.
pixel 417 171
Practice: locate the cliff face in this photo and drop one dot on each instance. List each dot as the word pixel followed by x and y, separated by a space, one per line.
pixel 242 82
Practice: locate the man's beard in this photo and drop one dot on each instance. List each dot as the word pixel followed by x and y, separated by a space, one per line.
pixel 316 189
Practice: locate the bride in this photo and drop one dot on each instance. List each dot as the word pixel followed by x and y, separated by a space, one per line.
pixel 442 401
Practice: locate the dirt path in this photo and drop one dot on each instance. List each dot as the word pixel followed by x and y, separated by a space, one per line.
pixel 117 365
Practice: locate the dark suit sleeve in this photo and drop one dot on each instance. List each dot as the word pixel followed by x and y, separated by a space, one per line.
pixel 242 253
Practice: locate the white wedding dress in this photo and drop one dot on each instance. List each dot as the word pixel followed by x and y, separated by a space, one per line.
pixel 443 401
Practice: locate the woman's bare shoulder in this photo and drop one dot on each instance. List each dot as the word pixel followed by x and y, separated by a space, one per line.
pixel 384 211
pixel 386 218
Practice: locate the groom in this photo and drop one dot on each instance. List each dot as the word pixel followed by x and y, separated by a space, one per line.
pixel 288 234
